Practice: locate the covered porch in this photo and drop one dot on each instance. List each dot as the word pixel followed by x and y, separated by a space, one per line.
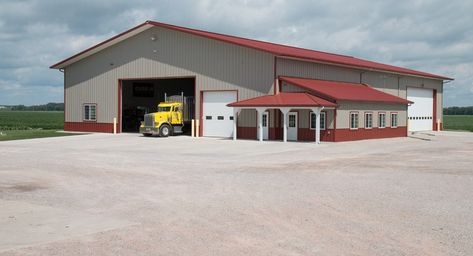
pixel 285 102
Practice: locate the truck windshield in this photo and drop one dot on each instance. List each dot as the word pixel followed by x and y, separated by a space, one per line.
pixel 164 109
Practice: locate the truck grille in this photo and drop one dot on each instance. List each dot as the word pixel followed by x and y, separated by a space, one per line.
pixel 149 120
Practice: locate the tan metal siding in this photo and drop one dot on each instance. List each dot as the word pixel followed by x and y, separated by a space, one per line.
pixel 344 109
pixel 397 85
pixel 296 68
pixel 285 87
pixel 247 118
pixel 386 82
pixel 215 64
pixel 304 118
pixel 330 118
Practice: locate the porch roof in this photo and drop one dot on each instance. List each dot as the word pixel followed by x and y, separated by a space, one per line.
pixel 284 99
pixel 344 91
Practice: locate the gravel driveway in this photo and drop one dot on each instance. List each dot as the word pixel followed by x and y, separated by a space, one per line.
pixel 103 194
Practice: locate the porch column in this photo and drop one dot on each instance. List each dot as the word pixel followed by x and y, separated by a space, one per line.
pixel 284 112
pixel 260 112
pixel 236 112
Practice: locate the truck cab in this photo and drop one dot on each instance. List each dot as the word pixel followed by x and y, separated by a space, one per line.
pixel 166 121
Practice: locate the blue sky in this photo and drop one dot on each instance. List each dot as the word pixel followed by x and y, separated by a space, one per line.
pixel 431 36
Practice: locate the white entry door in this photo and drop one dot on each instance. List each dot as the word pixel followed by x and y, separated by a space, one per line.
pixel 420 113
pixel 217 117
pixel 265 122
pixel 292 126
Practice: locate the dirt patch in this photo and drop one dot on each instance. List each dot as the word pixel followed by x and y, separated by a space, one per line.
pixel 22 187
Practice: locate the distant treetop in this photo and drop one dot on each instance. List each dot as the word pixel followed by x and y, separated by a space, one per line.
pixel 45 107
pixel 458 110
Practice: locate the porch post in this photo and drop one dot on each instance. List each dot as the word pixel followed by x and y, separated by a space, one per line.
pixel 260 112
pixel 284 112
pixel 236 111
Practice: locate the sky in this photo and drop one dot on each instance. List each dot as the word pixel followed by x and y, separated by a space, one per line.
pixel 431 36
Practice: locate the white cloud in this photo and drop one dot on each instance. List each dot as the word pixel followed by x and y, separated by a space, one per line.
pixel 432 36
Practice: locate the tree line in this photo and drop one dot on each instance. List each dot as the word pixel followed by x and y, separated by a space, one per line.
pixel 45 107
pixel 458 110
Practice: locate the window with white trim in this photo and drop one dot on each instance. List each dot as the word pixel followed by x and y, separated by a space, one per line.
pixel 354 120
pixel 90 112
pixel 393 120
pixel 313 120
pixel 292 120
pixel 368 120
pixel 382 120
pixel 265 120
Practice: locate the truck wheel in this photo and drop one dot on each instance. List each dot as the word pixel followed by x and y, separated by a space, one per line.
pixel 164 131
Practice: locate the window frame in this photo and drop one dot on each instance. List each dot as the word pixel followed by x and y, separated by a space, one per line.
pixel 265 119
pixel 384 120
pixel 391 119
pixel 365 119
pixel 289 120
pixel 357 120
pixel 324 117
pixel 84 115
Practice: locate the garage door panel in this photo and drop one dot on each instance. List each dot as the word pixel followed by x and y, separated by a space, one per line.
pixel 420 113
pixel 217 117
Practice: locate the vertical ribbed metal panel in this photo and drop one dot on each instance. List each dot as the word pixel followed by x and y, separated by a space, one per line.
pixel 285 87
pixel 386 82
pixel 303 118
pixel 247 118
pixel 290 67
pixel 215 64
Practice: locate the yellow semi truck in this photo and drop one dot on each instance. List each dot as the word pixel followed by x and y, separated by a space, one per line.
pixel 172 117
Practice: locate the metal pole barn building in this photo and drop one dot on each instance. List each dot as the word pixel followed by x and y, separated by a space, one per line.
pixel 244 88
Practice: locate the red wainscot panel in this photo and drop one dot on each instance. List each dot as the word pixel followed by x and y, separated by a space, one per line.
pixel 306 134
pixel 374 133
pixel 88 127
pixel 246 133
pixel 275 133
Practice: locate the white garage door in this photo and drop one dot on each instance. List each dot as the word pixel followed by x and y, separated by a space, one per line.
pixel 217 117
pixel 420 113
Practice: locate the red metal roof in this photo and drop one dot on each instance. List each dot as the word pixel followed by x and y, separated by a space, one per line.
pixel 284 99
pixel 344 91
pixel 283 51
pixel 295 52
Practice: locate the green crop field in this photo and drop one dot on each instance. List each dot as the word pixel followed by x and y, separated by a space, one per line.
pixel 15 125
pixel 458 122
pixel 24 120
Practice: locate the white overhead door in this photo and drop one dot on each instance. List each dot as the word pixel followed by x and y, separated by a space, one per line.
pixel 420 113
pixel 217 117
